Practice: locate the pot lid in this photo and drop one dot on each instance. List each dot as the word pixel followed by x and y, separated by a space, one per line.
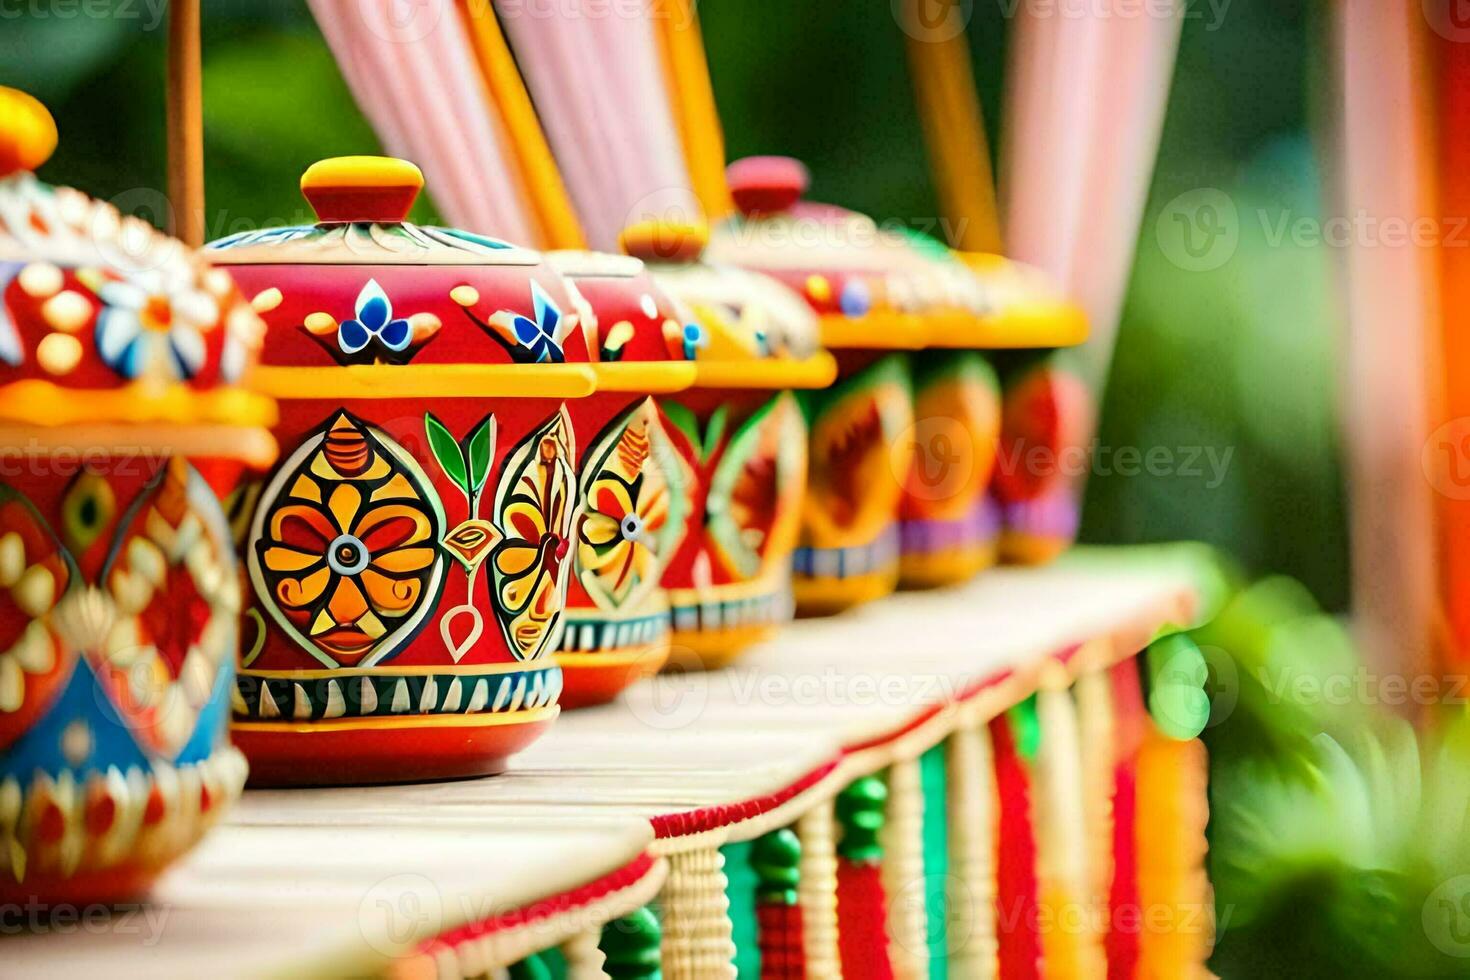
pixel 362 205
pixel 751 330
pixel 103 319
pixel 879 287
pixel 364 304
pixel 637 334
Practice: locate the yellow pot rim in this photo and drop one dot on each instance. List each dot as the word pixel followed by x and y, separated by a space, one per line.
pixel 1038 323
pixel 648 377
pixel 777 373
pixel 365 381
pixel 35 401
pixel 251 445
pixel 876 330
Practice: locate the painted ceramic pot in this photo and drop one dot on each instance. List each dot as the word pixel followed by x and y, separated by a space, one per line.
pixel 874 295
pixel 1047 421
pixel 634 486
pixel 409 557
pixel 741 439
pixel 949 526
pixel 122 424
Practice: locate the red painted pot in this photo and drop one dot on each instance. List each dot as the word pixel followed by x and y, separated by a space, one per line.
pixel 635 492
pixel 410 555
pixel 948 525
pixel 873 296
pixel 119 594
pixel 741 438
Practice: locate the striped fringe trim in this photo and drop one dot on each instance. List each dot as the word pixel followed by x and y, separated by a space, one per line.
pixel 903 873
pixel 1172 885
pixel 817 893
pixel 1070 941
pixel 698 942
pixel 972 825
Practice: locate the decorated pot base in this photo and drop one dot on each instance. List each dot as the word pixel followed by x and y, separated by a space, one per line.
pixel 861 453
pixel 1038 531
pixel 713 626
pixel 116 886
pixel 596 674
pixel 828 580
pixel 366 751
pixel 936 553
pixel 116 833
pixel 935 570
pixel 829 596
pixel 381 726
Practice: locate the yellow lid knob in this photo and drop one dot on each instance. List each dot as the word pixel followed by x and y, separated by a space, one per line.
pixel 377 189
pixel 664 241
pixel 27 132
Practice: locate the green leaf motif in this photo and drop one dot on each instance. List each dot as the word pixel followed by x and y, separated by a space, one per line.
pixel 446 451
pixel 682 419
pixel 479 450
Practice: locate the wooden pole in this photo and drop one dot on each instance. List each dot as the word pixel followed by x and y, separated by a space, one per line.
pixel 185 124
pixel 954 128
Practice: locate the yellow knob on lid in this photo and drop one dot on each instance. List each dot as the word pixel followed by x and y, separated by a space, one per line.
pixel 27 132
pixel 664 241
pixel 376 189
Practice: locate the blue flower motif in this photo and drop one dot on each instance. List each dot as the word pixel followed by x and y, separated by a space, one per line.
pixel 855 299
pixel 10 349
pixel 538 338
pixel 375 321
pixel 695 338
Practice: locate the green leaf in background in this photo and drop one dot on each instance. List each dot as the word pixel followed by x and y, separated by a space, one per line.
pixel 1176 698
pixel 478 450
pixel 446 451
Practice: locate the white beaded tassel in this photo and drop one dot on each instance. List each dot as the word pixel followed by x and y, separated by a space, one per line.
pixel 902 838
pixel 817 892
pixel 584 956
pixel 1072 944
pixel 699 941
pixel 974 948
pixel 1096 725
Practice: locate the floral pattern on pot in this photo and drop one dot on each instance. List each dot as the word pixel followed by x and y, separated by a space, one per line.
pixel 537 339
pixel 861 453
pixel 153 324
pixel 374 334
pixel 174 607
pixel 345 555
pixel 635 499
pixel 535 510
pixel 35 572
pixel 753 509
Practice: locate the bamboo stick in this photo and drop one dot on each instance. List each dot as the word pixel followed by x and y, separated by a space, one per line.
pixel 185 107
